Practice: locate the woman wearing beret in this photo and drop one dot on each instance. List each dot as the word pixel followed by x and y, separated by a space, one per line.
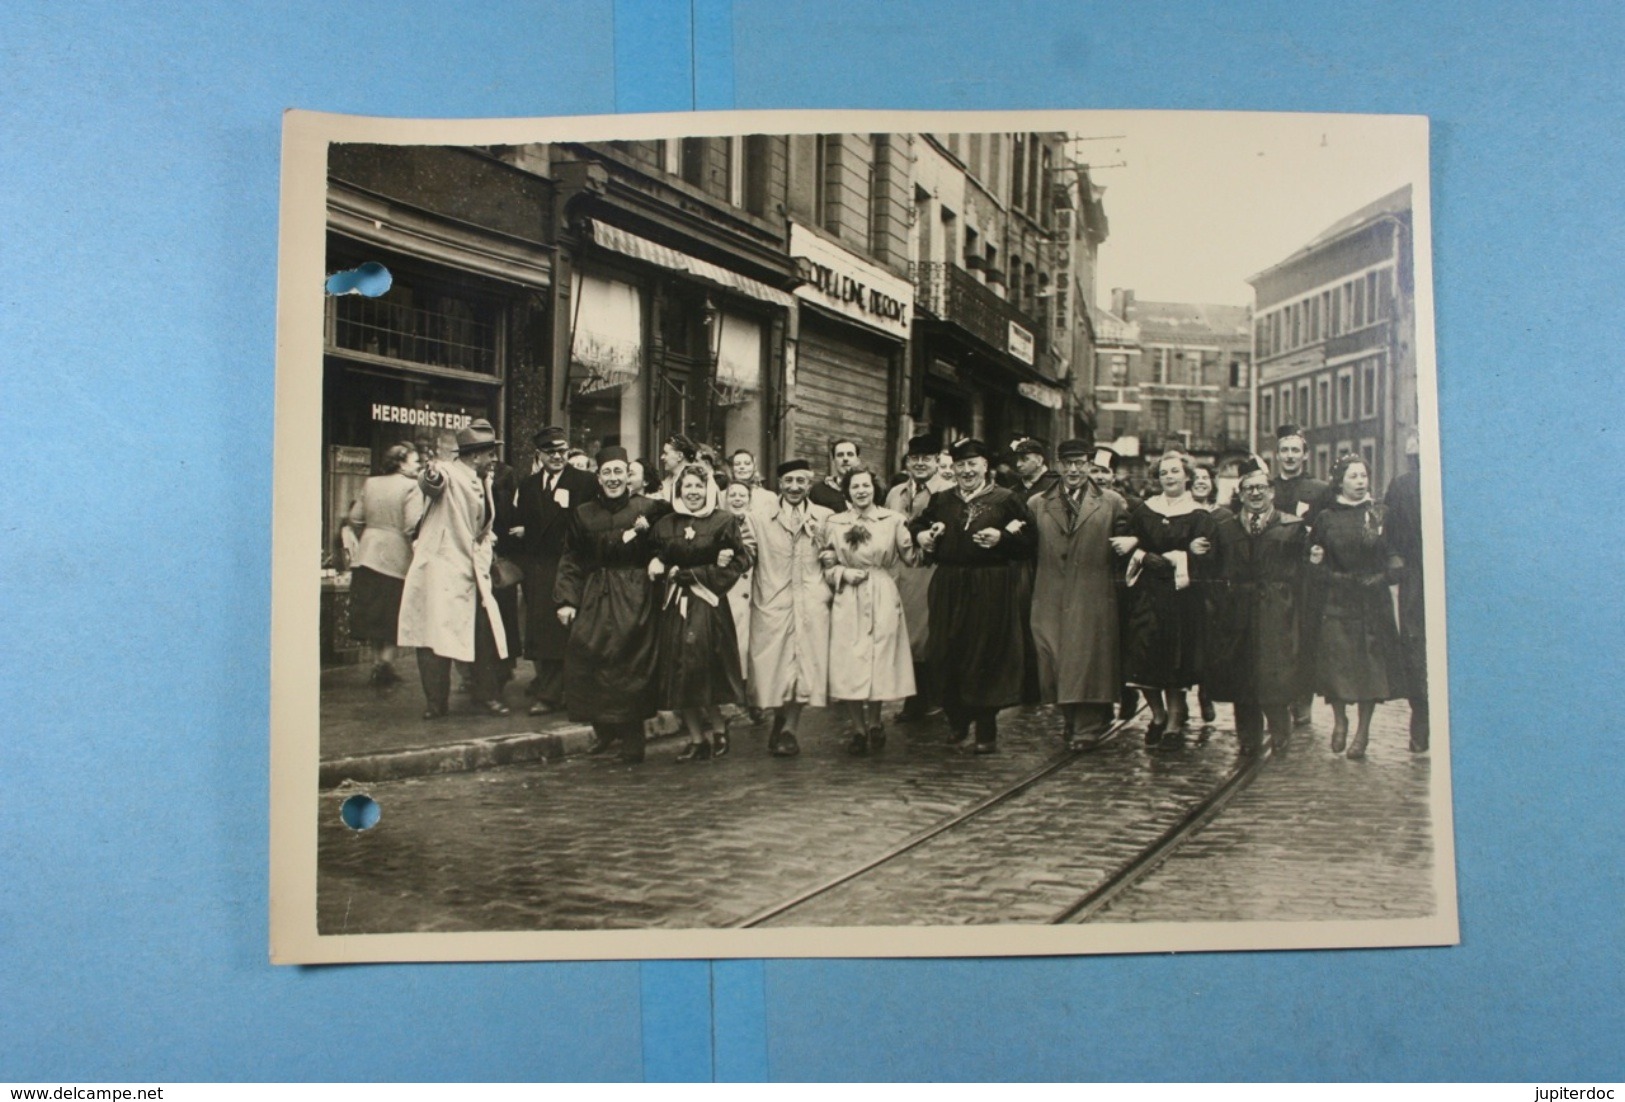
pixel 605 597
pixel 978 534
pixel 1357 653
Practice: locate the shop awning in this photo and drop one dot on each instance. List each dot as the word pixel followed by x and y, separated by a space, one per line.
pixel 650 252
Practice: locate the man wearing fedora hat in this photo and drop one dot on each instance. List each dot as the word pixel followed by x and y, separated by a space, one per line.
pixel 448 607
pixel 539 524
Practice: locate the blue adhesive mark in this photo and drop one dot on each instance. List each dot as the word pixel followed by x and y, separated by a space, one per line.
pixel 361 812
pixel 370 280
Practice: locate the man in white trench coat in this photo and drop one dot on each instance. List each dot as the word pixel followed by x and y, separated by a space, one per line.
pixel 448 609
pixel 789 607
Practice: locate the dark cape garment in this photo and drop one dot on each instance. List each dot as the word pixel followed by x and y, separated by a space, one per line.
pixel 978 645
pixel 1357 656
pixel 609 665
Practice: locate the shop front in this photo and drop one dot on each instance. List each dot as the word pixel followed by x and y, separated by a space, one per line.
pixel 662 342
pixel 850 353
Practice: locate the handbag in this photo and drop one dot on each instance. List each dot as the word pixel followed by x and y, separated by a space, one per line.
pixel 505 573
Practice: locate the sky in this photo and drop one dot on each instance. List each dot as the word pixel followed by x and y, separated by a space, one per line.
pixel 1206 199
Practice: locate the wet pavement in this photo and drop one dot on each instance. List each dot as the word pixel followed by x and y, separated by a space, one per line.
pixel 592 843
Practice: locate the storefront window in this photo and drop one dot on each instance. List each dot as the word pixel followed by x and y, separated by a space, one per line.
pixel 739 384
pixel 606 389
pixel 417 324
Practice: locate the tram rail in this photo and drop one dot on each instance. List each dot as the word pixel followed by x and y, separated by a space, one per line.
pixel 1090 901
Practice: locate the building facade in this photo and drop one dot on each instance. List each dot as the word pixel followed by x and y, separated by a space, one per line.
pixel 1173 375
pixel 1334 339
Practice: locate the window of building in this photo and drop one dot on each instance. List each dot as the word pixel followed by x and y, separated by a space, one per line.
pixel 922 225
pixel 1194 420
pixel 1266 415
pixel 1336 298
pixel 735 150
pixel 1018 171
pixel 1015 278
pixel 950 237
pixel 1359 303
pixel 992 264
pixel 995 163
pixel 1385 293
pixel 1235 424
pixel 1345 395
pixel 973 245
pixel 1323 400
pixel 1159 416
pixel 1314 319
pixel 1041 182
pixel 1323 461
pixel 671 155
pixel 973 155
pixel 418 324
pixel 1368 452
pixel 821 181
pixel 1287 414
pixel 1261 336
pixel 1371 314
pixel 1030 287
pixel 1296 312
pixel 1193 368
pixel 693 154
pixel 1303 403
pixel 756 153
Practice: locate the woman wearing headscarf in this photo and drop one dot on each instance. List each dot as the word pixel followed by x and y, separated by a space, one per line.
pixel 1357 653
pixel 378 537
pixel 870 661
pixel 1163 650
pixel 606 599
pixel 699 556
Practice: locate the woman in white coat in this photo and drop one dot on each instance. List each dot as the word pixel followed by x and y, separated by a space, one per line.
pixel 869 656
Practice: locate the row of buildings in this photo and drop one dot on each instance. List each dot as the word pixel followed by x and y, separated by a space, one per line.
pixel 1328 344
pixel 769 292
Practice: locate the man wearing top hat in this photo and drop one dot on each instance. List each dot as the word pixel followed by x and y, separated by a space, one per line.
pixel 448 609
pixel 789 607
pixel 1077 636
pixel 978 535
pixel 1299 495
pixel 1253 643
pixel 538 522
pixel 909 498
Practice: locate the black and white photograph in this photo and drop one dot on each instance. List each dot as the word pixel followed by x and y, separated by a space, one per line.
pixel 857 534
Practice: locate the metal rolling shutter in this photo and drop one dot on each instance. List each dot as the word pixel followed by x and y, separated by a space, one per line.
pixel 842 390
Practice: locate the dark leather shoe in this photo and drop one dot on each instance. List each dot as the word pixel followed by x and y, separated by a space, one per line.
pixel 495 708
pixel 720 744
pixel 1154 731
pixel 632 753
pixel 858 745
pixel 877 739
pixel 599 745
pixel 1340 737
pixel 986 748
pixel 784 745
pixel 542 708
pixel 697 750
pixel 958 736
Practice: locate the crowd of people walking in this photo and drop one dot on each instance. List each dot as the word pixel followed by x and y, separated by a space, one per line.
pixel 970 582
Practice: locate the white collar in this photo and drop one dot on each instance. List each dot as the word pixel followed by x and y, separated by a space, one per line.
pixel 1179 507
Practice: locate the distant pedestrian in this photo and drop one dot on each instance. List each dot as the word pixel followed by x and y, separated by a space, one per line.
pixel 699 557
pixel 1083 532
pixel 378 536
pixel 1404 502
pixel 977 535
pixel 869 658
pixel 1253 636
pixel 605 598
pixel 1163 654
pixel 1357 655
pixel 789 610
pixel 448 607
pixel 909 498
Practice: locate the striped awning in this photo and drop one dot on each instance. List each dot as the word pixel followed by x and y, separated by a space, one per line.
pixel 650 252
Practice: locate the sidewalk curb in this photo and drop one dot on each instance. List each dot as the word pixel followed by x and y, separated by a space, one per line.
pixel 457 757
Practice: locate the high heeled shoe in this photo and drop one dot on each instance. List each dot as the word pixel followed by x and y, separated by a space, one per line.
pixel 1154 731
pixel 697 750
pixel 1340 735
pixel 720 745
pixel 1357 746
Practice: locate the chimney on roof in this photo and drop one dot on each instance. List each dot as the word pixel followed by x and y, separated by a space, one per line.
pixel 1122 301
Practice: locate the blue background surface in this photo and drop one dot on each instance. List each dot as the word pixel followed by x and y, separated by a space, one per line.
pixel 138 195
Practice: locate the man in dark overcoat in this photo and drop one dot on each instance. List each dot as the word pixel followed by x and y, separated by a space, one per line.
pixel 979 535
pixel 1076 633
pixel 1255 658
pixel 1103 473
pixel 537 522
pixel 1404 502
pixel 1298 494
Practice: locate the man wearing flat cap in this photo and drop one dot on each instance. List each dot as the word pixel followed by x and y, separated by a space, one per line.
pixel 910 497
pixel 539 523
pixel 1083 531
pixel 978 535
pixel 789 608
pixel 448 607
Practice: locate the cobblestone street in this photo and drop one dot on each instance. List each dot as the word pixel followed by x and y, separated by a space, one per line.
pixel 592 843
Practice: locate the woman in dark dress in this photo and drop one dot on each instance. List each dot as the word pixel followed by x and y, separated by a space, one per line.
pixel 605 597
pixel 1163 650
pixel 1357 654
pixel 700 555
